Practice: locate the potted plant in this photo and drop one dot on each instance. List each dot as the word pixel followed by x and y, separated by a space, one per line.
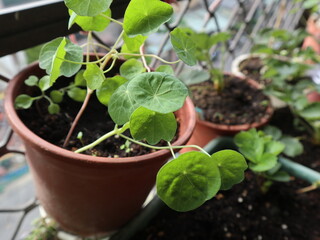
pixel 227 104
pixel 133 106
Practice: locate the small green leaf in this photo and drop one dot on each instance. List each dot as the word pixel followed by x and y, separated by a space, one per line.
pixel 131 68
pixel 311 112
pixel 190 77
pixel 31 81
pixel 183 46
pixel 132 44
pixel 94 76
pixel 88 7
pixel 56 96
pixel 165 69
pixel 231 165
pixel 219 37
pixel 152 126
pixel 108 87
pixel 77 94
pixel 96 23
pixel 157 91
pixel 79 79
pixel 53 108
pixel 266 162
pixel 23 101
pixel 45 83
pixel 274 147
pixel 273 131
pixel 57 61
pixel 121 105
pixel 293 146
pixel 280 176
pixel 186 182
pixel 145 16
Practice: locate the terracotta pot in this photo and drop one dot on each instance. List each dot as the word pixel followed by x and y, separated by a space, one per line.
pixel 206 131
pixel 89 195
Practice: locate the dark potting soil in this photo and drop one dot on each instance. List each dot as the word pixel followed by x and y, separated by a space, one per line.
pixel 251 67
pixel 94 123
pixel 245 212
pixel 238 102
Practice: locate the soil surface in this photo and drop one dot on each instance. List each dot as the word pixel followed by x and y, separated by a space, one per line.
pixel 94 123
pixel 238 102
pixel 247 212
pixel 251 68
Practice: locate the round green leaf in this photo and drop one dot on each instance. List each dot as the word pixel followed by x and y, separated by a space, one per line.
pixel 183 46
pixel 77 94
pixel 79 79
pixel 132 44
pixel 152 126
pixel 23 101
pixel 274 147
pixel 121 105
pixel 311 112
pixel 145 16
pixel 31 81
pixel 165 69
pixel 96 23
pixel 131 68
pixel 266 162
pixel 45 83
pixel 157 91
pixel 56 96
pixel 231 165
pixel 108 87
pixel 53 108
pixel 88 7
pixel 273 131
pixel 94 76
pixel 293 146
pixel 186 182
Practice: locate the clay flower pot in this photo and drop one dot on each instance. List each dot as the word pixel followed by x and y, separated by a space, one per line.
pixel 89 195
pixel 206 131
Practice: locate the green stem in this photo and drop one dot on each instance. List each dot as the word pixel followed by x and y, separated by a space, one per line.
pixel 171 150
pixel 115 131
pixel 83 63
pixel 111 66
pixel 148 55
pixel 111 19
pixel 162 148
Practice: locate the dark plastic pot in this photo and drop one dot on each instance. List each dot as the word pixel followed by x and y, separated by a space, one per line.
pixel 89 195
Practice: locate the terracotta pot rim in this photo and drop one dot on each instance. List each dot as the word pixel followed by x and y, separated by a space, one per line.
pixel 34 139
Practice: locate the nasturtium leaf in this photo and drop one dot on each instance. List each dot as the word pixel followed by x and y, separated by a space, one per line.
pixel 88 7
pixel 274 147
pixel 53 108
pixel 266 162
pixel 31 81
pixel 165 69
pixel 293 146
pixel 219 37
pixel 273 131
pixel 157 91
pixel 77 94
pixel 131 68
pixel 72 18
pixel 94 76
pixel 56 96
pixel 183 46
pixel 311 112
pixel 152 126
pixel 145 16
pixel 250 145
pixel 132 44
pixel 108 87
pixel 48 54
pixel 190 77
pixel 231 165
pixel 57 61
pixel 45 83
pixel 79 79
pixel 121 105
pixel 96 23
pixel 23 101
pixel 186 182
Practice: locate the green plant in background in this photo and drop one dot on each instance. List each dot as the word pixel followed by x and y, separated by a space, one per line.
pixel 138 99
pixel 262 149
pixel 44 229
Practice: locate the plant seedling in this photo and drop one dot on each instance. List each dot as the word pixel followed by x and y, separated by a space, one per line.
pixel 137 99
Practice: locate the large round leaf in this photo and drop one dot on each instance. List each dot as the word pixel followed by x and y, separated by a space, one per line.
pixel 131 68
pixel 188 181
pixel 121 105
pixel 152 126
pixel 145 16
pixel 231 166
pixel 88 7
pixel 158 91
